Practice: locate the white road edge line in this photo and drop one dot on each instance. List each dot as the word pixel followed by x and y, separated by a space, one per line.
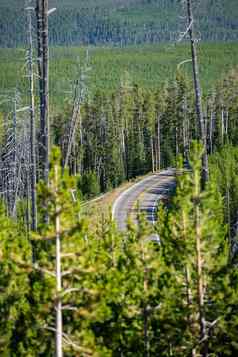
pixel 94 199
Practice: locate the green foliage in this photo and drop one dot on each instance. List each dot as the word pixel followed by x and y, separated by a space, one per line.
pixel 130 294
pixel 122 22
pixel 148 66
pixel 88 184
pixel 192 232
pixel 224 171
pixel 15 255
pixel 133 291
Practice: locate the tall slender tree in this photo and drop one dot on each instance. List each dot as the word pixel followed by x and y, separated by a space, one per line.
pixel 45 125
pixel 198 92
pixel 198 235
pixel 32 124
pixel 43 72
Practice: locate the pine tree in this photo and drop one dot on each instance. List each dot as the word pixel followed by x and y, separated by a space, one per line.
pixel 64 258
pixel 126 103
pixel 135 291
pixel 193 237
pixel 15 251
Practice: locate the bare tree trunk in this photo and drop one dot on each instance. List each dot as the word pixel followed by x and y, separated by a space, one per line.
pixel 74 123
pixel 27 213
pixel 211 131
pixel 184 138
pixel 44 122
pixel 198 94
pixel 189 303
pixel 80 163
pixel 185 128
pixel 158 144
pixel 13 169
pixel 152 154
pixel 227 126
pixel 200 282
pixel 58 307
pixel 32 127
pixel 222 127
pixel 38 11
pixel 228 209
pixel 14 132
pixel 176 141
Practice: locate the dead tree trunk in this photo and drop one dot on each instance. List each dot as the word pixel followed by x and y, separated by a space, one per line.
pixel 74 123
pixel 158 166
pixel 13 169
pixel 32 126
pixel 211 131
pixel 152 153
pixel 43 72
pixel 198 94
pixel 58 307
pixel 38 11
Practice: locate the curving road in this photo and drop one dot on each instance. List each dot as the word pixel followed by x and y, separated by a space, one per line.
pixel 144 194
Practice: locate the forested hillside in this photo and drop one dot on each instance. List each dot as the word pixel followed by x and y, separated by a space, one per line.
pixel 120 22
pixel 148 66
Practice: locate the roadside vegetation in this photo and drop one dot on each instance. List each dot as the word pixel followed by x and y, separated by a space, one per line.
pixel 122 293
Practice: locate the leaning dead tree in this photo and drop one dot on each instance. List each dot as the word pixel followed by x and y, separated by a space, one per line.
pixel 75 123
pixel 198 92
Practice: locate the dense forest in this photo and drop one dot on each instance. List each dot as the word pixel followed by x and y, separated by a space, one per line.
pixel 149 66
pixel 76 124
pixel 121 22
pixel 123 294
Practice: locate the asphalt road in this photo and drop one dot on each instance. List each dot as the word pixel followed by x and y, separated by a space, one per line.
pixel 145 194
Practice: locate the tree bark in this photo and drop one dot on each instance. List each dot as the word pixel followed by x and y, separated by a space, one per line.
pixel 43 72
pixel 189 304
pixel 222 127
pixel 152 153
pixel 38 11
pixel 158 144
pixel 74 123
pixel 198 94
pixel 211 131
pixel 58 307
pixel 200 282
pixel 32 127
